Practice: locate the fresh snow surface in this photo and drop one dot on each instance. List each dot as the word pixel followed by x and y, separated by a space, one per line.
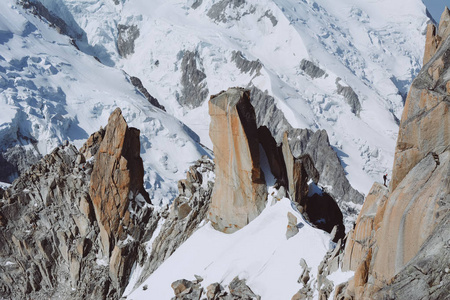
pixel 259 253
pixel 375 47
pixel 51 92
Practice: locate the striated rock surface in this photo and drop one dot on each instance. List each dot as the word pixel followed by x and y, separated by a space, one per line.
pixel 117 180
pixel 399 248
pixel 350 96
pixel 361 238
pixel 195 89
pixel 240 192
pixel 48 237
pixel 311 69
pixel 245 65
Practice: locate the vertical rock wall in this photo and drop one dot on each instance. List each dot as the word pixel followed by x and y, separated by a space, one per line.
pixel 240 191
pixel 389 248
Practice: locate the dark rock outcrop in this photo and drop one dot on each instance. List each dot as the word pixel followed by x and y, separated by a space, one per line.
pixel 305 141
pixel 38 9
pixel 324 213
pixel 350 96
pixel 404 249
pixel 326 161
pixel 311 69
pixel 217 12
pixel 195 89
pixel 125 39
pixel 196 4
pixel 138 84
pixel 245 65
pixel 191 290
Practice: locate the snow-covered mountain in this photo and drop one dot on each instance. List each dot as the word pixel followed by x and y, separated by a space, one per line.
pixel 343 66
pixel 369 47
pixel 186 51
pixel 51 92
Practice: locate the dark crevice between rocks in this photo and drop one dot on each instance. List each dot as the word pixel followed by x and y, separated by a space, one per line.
pixel 318 207
pixel 324 213
pixel 274 156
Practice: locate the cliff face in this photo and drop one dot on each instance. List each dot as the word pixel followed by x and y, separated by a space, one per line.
pixel 390 245
pixel 239 178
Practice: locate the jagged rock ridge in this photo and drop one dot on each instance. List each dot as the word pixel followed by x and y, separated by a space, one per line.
pixel 64 230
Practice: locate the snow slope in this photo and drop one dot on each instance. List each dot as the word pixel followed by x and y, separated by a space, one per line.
pixel 259 253
pixel 51 92
pixel 370 46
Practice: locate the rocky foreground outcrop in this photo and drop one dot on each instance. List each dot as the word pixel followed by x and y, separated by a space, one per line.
pixel 66 227
pixel 399 248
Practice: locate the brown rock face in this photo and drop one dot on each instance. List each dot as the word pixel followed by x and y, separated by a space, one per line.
pixel 425 124
pixel 240 191
pixel 361 238
pixel 116 179
pixel 299 171
pixel 431 43
pixel 435 37
pixel 399 238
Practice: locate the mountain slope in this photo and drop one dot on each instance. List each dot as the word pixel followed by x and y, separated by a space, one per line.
pixel 368 52
pixel 52 92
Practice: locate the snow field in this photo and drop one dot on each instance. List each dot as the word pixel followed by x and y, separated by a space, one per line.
pixel 259 253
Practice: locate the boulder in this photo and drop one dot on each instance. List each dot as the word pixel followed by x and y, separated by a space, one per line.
pixel 240 191
pixel 240 290
pixel 292 228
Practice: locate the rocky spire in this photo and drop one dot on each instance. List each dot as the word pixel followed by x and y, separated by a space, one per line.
pixel 240 192
pixel 436 36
